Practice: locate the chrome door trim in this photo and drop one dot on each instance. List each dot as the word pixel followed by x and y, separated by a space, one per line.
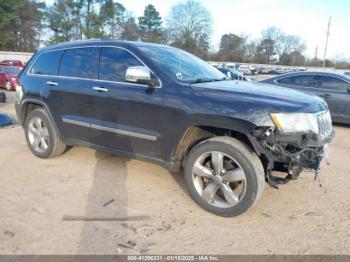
pixel 75 122
pixel 124 132
pixel 91 46
pixel 110 129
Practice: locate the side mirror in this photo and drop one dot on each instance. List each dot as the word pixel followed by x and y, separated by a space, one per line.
pixel 140 75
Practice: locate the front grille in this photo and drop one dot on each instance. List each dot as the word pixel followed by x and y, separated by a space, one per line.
pixel 324 124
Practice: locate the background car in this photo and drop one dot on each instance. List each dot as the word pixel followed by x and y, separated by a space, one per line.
pixel 17 63
pixel 333 88
pixel 233 74
pixel 8 77
pixel 347 73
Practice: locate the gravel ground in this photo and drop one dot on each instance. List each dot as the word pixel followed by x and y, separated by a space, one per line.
pixel 37 195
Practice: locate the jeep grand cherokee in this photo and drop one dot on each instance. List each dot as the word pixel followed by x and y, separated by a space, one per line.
pixel 164 105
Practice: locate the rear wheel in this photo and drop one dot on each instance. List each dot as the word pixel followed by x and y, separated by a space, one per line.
pixel 8 86
pixel 41 135
pixel 224 176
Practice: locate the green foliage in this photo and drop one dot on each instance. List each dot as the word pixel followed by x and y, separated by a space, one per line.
pixel 20 24
pixel 113 17
pixel 150 25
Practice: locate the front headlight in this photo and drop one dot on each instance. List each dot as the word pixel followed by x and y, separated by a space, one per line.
pixel 296 122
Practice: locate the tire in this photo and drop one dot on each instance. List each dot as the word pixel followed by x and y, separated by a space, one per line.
pixel 247 173
pixel 8 86
pixel 53 143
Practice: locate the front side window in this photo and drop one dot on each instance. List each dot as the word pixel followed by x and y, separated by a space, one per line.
pixel 114 62
pixel 80 62
pixel 334 83
pixel 47 63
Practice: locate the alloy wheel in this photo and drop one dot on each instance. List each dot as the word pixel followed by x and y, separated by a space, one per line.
pixel 219 179
pixel 38 134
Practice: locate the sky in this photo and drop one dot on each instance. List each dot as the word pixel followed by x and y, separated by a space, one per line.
pixel 306 18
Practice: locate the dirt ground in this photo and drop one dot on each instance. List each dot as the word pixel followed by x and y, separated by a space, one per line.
pixel 299 218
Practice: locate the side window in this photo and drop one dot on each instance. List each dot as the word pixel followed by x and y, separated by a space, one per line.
pixel 306 80
pixel 334 83
pixel 285 81
pixel 47 63
pixel 80 62
pixel 114 62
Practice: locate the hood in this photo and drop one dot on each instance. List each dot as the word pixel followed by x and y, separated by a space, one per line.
pixel 254 102
pixel 267 97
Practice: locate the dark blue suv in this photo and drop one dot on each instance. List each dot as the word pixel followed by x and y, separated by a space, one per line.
pixel 164 105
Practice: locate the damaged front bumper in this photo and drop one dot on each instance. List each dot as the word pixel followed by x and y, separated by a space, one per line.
pixel 291 152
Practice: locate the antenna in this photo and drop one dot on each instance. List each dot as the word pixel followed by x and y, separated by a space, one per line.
pixel 325 48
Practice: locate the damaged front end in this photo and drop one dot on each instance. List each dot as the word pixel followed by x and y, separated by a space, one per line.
pixel 292 151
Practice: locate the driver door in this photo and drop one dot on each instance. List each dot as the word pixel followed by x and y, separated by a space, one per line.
pixel 125 116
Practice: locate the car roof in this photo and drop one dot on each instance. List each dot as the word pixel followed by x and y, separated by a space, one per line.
pixel 99 42
pixel 343 76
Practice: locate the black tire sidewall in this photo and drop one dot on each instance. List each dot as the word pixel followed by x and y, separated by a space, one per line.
pixel 39 113
pixel 243 161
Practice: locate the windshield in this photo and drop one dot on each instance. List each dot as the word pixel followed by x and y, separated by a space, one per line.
pixel 180 65
pixel 10 70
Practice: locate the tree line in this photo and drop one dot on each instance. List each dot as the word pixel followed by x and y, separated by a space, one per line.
pixel 24 23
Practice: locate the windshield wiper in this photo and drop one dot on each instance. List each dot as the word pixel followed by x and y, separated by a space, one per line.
pixel 204 80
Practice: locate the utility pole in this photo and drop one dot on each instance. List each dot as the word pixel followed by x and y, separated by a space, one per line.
pixel 316 50
pixel 325 48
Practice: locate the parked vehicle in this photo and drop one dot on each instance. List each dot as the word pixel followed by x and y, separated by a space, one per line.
pixel 8 77
pixel 5 120
pixel 2 97
pixel 347 73
pixel 16 63
pixel 333 88
pixel 244 69
pixel 233 74
pixel 164 105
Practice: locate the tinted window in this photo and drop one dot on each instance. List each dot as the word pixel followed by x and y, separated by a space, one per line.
pixel 47 63
pixel 80 62
pixel 334 83
pixel 180 65
pixel 303 80
pixel 114 62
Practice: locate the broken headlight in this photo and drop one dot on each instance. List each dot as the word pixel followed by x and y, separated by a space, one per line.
pixel 296 122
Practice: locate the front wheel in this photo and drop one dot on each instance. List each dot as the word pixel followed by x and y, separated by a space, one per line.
pixel 224 176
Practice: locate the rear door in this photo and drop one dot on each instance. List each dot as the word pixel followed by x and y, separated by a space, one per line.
pixel 336 93
pixel 69 94
pixel 126 116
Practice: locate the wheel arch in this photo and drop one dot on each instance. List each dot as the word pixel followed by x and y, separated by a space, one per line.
pixel 30 104
pixel 198 132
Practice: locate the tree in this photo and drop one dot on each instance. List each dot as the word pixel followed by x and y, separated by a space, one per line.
pixel 28 28
pixel 270 43
pixel 187 25
pixel 92 26
pixel 150 25
pixel 113 17
pixel 20 24
pixel 130 30
pixel 232 48
pixel 8 18
pixel 64 20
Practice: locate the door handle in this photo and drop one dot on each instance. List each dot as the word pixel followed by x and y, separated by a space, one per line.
pixel 100 89
pixel 51 83
pixel 325 95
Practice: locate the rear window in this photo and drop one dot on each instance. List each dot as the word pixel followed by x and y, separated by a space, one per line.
pixel 80 62
pixel 334 83
pixel 46 63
